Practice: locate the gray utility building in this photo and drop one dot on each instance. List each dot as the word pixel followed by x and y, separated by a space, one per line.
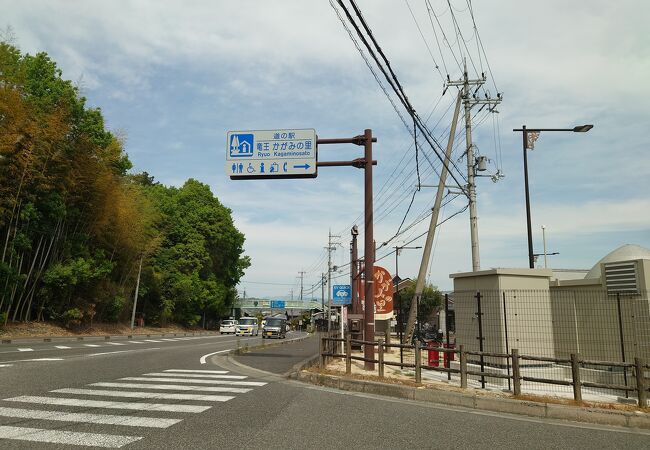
pixel 602 314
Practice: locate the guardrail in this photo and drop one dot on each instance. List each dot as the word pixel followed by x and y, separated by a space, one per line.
pixel 334 346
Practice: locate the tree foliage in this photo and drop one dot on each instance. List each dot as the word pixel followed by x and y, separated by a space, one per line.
pixel 74 224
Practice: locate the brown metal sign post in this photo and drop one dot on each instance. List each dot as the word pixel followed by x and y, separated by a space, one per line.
pixel 365 163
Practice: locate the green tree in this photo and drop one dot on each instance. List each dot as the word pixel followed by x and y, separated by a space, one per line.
pixel 430 302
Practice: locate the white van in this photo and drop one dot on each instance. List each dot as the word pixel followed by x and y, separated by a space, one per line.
pixel 247 326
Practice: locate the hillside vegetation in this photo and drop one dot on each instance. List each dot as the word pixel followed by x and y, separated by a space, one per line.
pixel 75 223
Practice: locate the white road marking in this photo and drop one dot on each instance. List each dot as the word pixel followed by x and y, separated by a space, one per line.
pixel 203 358
pixel 151 340
pixel 168 339
pixel 136 342
pixel 162 395
pixel 196 371
pixel 195 375
pixel 6 365
pixel 185 380
pixel 44 359
pixel 25 349
pixel 105 419
pixel 137 406
pixel 66 437
pixel 62 347
pixel 115 343
pixel 174 387
pixel 123 351
pixel 92 345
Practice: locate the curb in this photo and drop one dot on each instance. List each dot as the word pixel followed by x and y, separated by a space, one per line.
pixel 98 337
pixel 628 419
pixel 246 349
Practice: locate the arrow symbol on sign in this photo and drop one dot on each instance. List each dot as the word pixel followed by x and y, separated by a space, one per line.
pixel 304 166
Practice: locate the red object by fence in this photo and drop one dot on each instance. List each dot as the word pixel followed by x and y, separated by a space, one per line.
pixel 448 356
pixel 434 355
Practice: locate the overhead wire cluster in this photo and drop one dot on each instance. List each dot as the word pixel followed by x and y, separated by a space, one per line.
pixel 453 32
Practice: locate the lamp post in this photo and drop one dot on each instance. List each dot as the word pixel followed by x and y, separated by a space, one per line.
pixel 530 135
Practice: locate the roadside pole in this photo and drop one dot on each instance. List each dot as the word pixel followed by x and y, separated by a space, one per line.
pixel 137 290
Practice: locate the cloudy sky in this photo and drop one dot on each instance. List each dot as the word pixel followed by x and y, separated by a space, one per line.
pixel 173 77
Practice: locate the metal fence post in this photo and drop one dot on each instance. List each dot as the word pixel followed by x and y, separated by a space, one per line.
pixel 463 367
pixel 575 374
pixel 348 354
pixel 448 355
pixel 621 337
pixel 516 374
pixel 640 383
pixel 418 362
pixel 480 338
pixel 380 357
pixel 505 328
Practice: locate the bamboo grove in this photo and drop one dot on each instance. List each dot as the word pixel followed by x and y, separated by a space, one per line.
pixel 75 224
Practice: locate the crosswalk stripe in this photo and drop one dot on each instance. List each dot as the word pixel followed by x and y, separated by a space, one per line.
pixel 193 381
pixel 25 349
pixel 194 375
pixel 161 396
pixel 173 387
pixel 92 345
pixel 104 419
pixel 66 437
pixel 82 403
pixel 62 347
pixel 196 371
pixel 115 343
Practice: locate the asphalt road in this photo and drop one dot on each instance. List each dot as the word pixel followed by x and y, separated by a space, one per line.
pixel 159 395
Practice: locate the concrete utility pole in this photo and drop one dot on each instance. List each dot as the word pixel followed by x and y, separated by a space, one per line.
pixel 468 102
pixel 426 255
pixel 354 275
pixel 302 275
pixel 330 247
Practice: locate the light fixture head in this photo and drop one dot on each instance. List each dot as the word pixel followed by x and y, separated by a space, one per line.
pixel 582 128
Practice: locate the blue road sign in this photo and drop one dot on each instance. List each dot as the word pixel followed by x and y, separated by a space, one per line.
pixel 341 294
pixel 271 154
pixel 281 304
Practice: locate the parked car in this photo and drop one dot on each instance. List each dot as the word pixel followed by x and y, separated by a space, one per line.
pixel 274 327
pixel 228 326
pixel 247 326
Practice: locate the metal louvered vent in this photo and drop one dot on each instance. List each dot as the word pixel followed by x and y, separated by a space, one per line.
pixel 621 277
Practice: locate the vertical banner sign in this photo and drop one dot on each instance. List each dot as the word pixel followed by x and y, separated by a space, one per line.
pixel 383 293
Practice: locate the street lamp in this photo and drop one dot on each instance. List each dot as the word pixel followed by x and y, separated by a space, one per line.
pixel 530 135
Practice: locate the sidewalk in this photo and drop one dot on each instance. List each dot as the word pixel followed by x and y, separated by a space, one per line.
pixel 280 359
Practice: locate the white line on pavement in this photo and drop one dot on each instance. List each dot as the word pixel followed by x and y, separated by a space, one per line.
pixel 92 345
pixel 185 380
pixel 174 387
pixel 152 340
pixel 105 419
pixel 62 347
pixel 6 365
pixel 196 371
pixel 203 358
pixel 196 375
pixel 123 351
pixel 82 403
pixel 136 342
pixel 66 437
pixel 115 343
pixel 25 349
pixel 161 396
